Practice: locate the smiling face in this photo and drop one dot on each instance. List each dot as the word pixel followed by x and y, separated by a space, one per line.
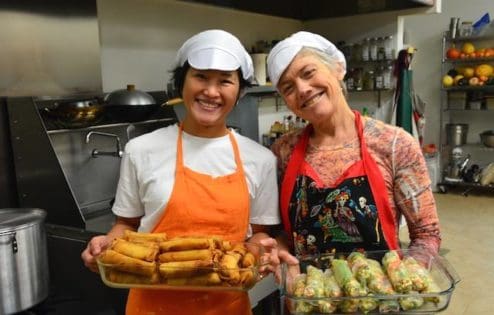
pixel 209 96
pixel 310 88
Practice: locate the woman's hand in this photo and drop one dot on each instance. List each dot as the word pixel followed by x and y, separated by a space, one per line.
pixel 95 246
pixel 273 257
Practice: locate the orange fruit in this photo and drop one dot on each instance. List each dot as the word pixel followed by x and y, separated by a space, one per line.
pixel 468 48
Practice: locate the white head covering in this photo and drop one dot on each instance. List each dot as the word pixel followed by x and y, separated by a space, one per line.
pixel 216 50
pixel 283 53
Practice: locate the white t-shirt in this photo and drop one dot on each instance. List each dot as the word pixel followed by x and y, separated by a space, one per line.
pixel 147 173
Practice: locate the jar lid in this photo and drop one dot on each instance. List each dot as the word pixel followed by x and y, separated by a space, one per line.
pixel 15 218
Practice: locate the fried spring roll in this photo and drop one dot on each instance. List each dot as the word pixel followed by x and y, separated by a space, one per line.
pixel 249 260
pixel 181 244
pixel 229 267
pixel 130 278
pixel 138 237
pixel 128 264
pixel 182 269
pixel 212 278
pixel 135 250
pixel 185 255
pixel 239 248
pixel 247 278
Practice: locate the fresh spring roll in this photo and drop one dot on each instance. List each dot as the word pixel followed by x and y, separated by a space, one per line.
pixel 368 304
pixel 146 252
pixel 182 269
pixel 345 279
pixel 331 287
pixel 299 285
pixel 185 255
pixel 212 279
pixel 130 278
pixel 418 274
pixel 397 272
pixel 411 302
pixel 186 243
pixel 349 305
pixel 359 266
pixel 138 237
pixel 128 264
pixel 314 286
pixel 229 270
pixel 389 306
pixel 378 282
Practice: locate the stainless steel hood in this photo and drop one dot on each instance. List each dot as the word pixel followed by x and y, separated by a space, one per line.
pixel 49 48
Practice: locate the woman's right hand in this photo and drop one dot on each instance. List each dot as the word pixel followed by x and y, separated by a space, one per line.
pixel 95 246
pixel 273 258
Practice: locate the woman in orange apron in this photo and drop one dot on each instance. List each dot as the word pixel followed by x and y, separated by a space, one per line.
pixel 211 69
pixel 346 179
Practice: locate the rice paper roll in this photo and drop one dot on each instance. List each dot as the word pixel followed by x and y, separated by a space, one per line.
pixel 397 272
pixel 411 302
pixel 314 286
pixel 331 287
pixel 345 279
pixel 359 266
pixel 419 275
pixel 378 282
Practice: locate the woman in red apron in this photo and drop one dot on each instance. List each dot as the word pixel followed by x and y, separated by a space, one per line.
pixel 212 68
pixel 345 180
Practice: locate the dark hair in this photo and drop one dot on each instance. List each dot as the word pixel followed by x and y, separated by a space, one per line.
pixel 178 78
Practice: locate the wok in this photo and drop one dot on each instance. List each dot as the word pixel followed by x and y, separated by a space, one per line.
pixel 130 105
pixel 76 114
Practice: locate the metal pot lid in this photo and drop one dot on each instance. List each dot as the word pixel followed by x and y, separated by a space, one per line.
pixel 129 96
pixel 15 218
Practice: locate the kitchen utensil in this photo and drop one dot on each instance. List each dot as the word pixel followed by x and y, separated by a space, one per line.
pixel 487 138
pixel 456 134
pixel 23 259
pixel 130 105
pixel 76 113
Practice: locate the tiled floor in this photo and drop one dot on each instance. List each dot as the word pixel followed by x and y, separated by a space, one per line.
pixel 467 225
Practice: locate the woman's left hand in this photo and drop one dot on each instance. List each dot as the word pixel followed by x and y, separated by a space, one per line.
pixel 272 258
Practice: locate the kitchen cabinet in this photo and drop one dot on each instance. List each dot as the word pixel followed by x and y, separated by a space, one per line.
pixel 466 110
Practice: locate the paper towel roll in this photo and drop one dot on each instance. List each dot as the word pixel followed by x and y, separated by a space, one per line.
pixel 259 61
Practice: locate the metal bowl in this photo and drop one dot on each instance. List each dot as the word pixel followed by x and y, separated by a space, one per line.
pixel 487 138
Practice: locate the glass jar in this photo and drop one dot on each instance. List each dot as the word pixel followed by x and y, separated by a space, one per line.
pixel 373 49
pixel 380 49
pixel 356 52
pixel 369 80
pixel 379 80
pixel 387 77
pixel 365 49
pixel 388 47
pixel 358 79
pixel 350 84
pixel 466 29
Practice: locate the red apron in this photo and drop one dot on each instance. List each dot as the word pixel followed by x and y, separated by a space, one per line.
pixel 200 205
pixel 352 214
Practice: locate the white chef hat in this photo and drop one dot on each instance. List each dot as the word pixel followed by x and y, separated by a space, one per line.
pixel 217 50
pixel 283 53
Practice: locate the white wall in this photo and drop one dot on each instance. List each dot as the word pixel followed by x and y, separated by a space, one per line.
pixel 139 39
pixel 424 32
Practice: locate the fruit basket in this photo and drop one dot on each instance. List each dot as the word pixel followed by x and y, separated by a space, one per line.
pixel 187 263
pixel 373 282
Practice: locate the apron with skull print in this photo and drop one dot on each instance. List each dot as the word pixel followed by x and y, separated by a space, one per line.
pixel 353 214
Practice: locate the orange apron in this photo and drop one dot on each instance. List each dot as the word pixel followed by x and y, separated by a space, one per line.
pixel 200 205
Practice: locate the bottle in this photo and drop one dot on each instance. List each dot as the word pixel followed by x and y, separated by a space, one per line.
pixel 350 84
pixel 387 77
pixel 379 78
pixel 369 80
pixel 388 47
pixel 380 49
pixel 357 79
pixel 365 49
pixel 373 49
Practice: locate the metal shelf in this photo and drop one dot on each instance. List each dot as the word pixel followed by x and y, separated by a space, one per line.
pixel 468 60
pixel 485 88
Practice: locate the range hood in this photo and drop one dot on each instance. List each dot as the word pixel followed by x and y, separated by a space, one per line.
pixel 317 9
pixel 49 48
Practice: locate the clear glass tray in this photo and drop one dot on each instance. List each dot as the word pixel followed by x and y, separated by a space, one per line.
pixel 442 273
pixel 197 275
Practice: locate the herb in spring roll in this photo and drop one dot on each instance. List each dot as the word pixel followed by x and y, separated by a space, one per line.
pixel 397 272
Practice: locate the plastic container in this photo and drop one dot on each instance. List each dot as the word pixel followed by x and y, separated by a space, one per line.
pixel 212 277
pixel 438 267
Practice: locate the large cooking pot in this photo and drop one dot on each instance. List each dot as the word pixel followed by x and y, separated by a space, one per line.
pixel 23 259
pixel 487 138
pixel 77 113
pixel 130 105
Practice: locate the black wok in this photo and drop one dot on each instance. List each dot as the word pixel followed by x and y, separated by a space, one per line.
pixel 77 113
pixel 130 105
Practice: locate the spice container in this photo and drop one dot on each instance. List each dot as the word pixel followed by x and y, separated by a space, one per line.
pixel 373 49
pixel 369 80
pixel 388 47
pixel 365 49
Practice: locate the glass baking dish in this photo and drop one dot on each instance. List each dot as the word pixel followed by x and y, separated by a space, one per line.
pixel 194 275
pixel 439 269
